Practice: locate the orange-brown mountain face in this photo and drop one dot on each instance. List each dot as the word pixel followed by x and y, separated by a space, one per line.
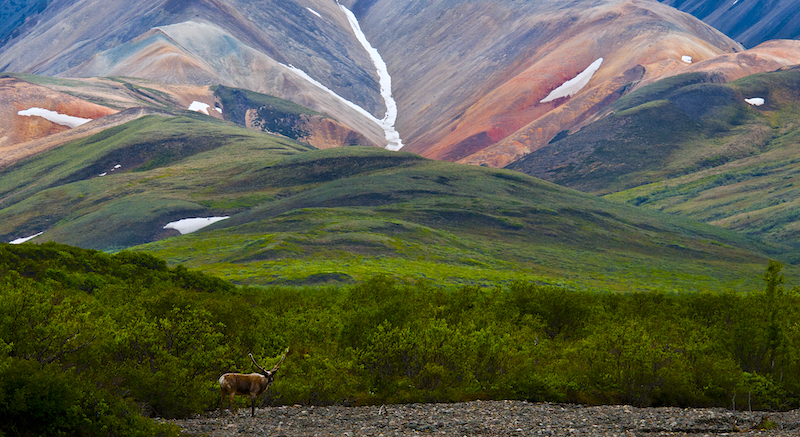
pixel 479 82
pixel 587 106
pixel 17 95
pixel 766 57
pixel 472 79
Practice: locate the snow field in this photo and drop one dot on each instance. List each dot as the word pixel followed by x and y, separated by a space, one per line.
pixel 24 239
pixel 55 117
pixel 202 107
pixel 189 225
pixel 572 86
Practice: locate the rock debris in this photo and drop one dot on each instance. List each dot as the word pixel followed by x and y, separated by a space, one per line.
pixel 495 418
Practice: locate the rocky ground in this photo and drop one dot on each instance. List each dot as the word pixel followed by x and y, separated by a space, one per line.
pixel 500 418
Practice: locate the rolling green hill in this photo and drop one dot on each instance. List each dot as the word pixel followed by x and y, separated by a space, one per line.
pixel 301 216
pixel 77 195
pixel 689 146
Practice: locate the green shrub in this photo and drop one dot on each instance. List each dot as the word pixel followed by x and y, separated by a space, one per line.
pixel 46 400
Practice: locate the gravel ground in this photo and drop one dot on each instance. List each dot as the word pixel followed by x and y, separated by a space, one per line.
pixel 500 418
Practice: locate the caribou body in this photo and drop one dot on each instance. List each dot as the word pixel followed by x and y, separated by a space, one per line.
pixel 252 384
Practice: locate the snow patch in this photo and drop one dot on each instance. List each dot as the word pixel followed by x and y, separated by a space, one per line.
pixel 218 109
pixel 199 107
pixel 117 166
pixel 103 174
pixel 572 86
pixel 687 59
pixel 189 225
pixel 755 101
pixel 388 121
pixel 314 12
pixel 24 239
pixel 55 117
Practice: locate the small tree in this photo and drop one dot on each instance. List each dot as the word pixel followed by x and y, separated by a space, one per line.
pixel 774 293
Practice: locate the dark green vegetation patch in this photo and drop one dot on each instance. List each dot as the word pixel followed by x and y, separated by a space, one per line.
pixel 271 114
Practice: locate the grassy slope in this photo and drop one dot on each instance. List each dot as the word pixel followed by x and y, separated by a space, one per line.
pixel 674 127
pixel 62 191
pixel 301 216
pixel 343 214
pixel 689 146
pixel 756 193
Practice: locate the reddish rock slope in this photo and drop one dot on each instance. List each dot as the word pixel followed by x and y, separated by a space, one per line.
pixel 17 95
pixel 573 113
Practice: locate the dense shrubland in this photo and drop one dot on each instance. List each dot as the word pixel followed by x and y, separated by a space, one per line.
pixel 91 342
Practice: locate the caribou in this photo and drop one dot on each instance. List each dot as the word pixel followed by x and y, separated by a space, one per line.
pixel 253 384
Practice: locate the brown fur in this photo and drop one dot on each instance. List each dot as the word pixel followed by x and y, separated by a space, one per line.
pixel 253 384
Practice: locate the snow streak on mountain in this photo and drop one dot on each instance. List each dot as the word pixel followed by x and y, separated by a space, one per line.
pixel 388 121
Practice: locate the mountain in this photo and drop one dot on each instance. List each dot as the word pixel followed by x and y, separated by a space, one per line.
pixel 458 91
pixel 749 22
pixel 245 44
pixel 477 97
pixel 94 98
pixel 469 76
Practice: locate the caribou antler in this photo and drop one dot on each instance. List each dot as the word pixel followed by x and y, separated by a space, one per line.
pixel 263 370
pixel 275 369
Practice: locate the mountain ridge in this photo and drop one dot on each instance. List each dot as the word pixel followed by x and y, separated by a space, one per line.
pixel 234 43
pixel 752 23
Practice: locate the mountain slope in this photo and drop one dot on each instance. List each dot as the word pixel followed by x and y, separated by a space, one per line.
pixel 465 76
pixel 471 80
pixel 17 95
pixel 299 216
pixel 470 75
pixel 238 43
pixel 749 22
pixel 69 187
pixel 23 136
pixel 716 157
pixel 270 114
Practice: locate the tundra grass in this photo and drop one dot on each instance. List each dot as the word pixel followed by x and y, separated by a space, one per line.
pixel 340 215
pixel 339 246
pixel 691 147
pixel 583 270
pixel 756 195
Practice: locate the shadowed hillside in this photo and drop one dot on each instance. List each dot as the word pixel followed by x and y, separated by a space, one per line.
pixel 718 158
pixel 749 22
